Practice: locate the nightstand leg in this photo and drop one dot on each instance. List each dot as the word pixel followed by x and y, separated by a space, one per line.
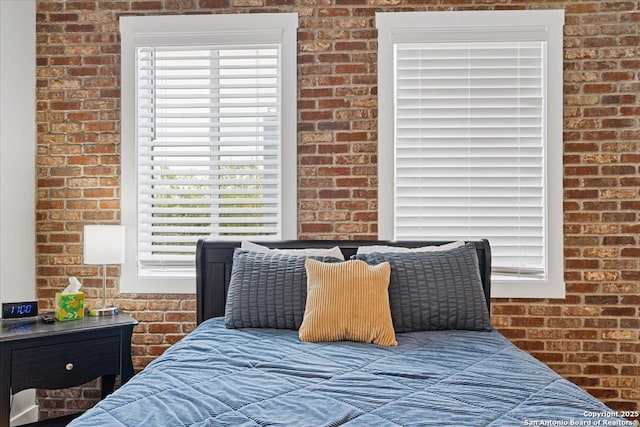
pixel 127 371
pixel 108 384
pixel 5 388
pixel 5 408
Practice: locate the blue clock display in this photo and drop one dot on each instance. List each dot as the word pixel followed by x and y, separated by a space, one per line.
pixel 17 310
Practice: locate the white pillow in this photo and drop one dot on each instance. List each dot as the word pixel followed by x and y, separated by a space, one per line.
pixel 384 249
pixel 333 252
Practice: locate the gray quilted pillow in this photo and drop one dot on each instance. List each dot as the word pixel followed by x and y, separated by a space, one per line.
pixel 435 290
pixel 267 290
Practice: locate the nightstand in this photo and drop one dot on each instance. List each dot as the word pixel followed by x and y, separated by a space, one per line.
pixel 63 354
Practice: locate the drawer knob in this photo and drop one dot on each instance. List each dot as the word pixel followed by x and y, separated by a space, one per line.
pixel 69 366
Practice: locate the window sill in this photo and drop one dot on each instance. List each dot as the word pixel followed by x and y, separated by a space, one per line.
pixel 528 289
pixel 132 282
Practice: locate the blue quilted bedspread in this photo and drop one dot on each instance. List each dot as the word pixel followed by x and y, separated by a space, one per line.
pixel 258 377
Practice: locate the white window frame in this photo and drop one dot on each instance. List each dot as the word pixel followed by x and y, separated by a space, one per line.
pixel 198 30
pixel 399 27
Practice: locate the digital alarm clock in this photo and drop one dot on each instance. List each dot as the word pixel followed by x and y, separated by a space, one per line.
pixel 18 310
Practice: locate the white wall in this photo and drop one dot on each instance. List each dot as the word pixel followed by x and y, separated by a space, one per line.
pixel 17 166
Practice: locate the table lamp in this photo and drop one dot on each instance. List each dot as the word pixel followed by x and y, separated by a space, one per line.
pixel 103 244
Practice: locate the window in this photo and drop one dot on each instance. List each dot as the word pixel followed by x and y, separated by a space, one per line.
pixel 209 138
pixel 470 133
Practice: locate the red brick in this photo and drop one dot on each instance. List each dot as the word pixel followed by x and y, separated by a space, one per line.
pixel 211 4
pixel 601 370
pixel 146 5
pixel 82 71
pixel 351 69
pixel 80 5
pixel 80 28
pixel 63 17
pixel 316 228
pixel 332 148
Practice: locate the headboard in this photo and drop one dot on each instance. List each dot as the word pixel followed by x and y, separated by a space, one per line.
pixel 214 260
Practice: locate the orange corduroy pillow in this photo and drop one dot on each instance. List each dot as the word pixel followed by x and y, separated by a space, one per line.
pixel 347 301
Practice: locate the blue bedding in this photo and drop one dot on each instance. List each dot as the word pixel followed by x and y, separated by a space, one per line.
pixel 257 377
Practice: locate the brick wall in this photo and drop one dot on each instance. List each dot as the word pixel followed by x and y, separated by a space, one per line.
pixel 590 338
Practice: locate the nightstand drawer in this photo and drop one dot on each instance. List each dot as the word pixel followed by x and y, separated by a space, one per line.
pixel 64 365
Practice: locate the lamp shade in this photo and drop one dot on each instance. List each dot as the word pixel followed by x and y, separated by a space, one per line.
pixel 104 244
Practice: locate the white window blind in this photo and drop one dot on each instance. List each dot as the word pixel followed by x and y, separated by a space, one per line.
pixel 208 138
pixel 470 138
pixel 469 147
pixel 208 135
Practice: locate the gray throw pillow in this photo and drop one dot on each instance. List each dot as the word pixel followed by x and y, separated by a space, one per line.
pixel 435 290
pixel 267 290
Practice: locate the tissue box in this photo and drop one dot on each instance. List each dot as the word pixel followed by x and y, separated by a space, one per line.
pixel 69 306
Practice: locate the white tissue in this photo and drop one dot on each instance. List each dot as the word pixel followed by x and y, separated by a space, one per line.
pixel 74 286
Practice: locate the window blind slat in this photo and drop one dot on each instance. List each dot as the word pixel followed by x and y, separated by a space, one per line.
pixel 174 171
pixel 169 202
pixel 205 210
pixel 207 162
pixel 198 231
pixel 184 223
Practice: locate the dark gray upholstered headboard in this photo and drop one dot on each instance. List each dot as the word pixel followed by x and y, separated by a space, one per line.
pixel 214 259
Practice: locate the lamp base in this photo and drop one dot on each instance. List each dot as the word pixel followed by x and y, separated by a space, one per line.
pixel 106 311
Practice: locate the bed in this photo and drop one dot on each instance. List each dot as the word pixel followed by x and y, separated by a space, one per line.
pixel 225 375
